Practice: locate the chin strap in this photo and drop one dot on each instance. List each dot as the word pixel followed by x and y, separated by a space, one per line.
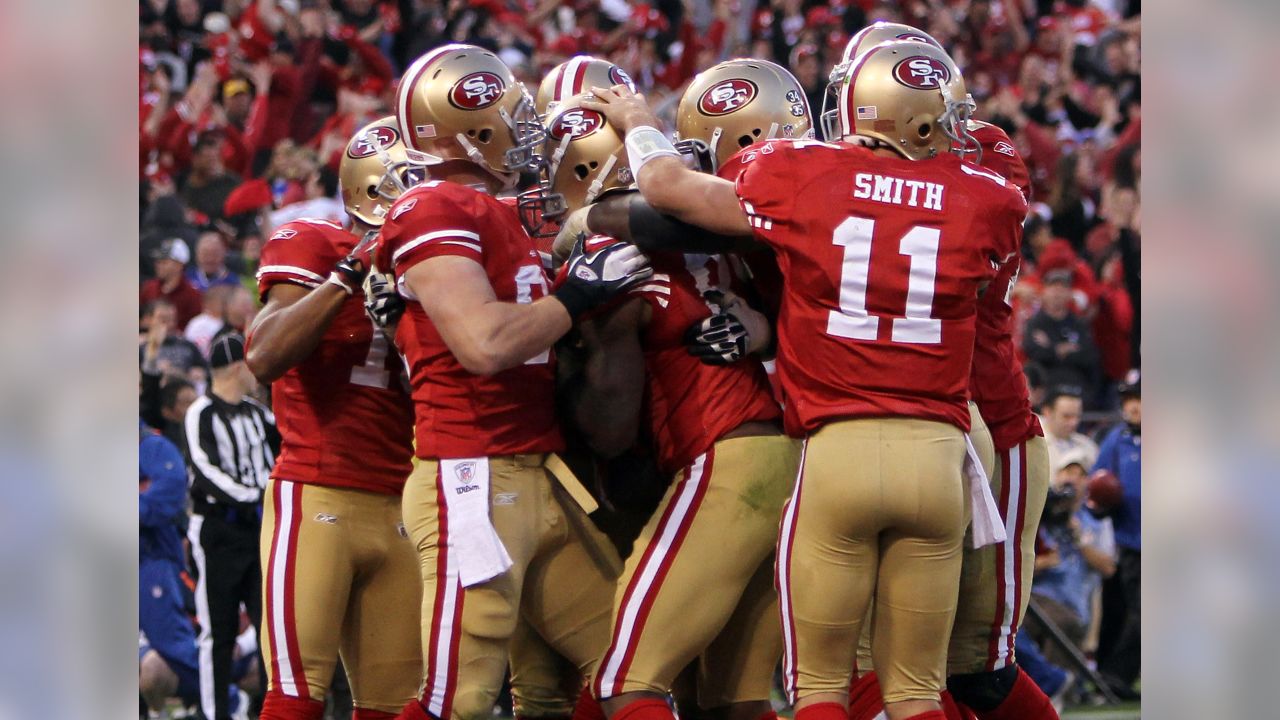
pixel 598 183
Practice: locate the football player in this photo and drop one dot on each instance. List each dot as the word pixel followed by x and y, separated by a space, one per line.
pixel 996 581
pixel 341 576
pixel 716 430
pixel 498 538
pixel 875 340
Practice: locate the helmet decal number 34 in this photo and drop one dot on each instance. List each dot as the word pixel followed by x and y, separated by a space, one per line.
pixel 852 320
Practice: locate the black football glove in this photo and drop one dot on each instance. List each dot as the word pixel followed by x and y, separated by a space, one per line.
pixel 349 273
pixel 597 273
pixel 382 303
pixel 718 340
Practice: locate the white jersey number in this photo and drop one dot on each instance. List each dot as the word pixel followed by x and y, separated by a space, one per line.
pixel 374 373
pixel 852 320
pixel 526 277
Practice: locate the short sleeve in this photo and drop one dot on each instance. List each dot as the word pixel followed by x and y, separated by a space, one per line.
pixel 297 253
pixel 428 222
pixel 999 155
pixel 766 188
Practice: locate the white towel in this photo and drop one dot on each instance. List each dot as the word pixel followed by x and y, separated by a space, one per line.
pixel 472 538
pixel 988 526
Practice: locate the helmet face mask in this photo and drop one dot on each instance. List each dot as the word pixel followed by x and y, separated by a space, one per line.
pixel 735 104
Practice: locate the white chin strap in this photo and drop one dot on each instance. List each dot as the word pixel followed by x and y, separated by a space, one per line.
pixel 598 183
pixel 773 131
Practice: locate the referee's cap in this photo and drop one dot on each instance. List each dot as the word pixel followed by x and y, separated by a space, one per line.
pixel 226 349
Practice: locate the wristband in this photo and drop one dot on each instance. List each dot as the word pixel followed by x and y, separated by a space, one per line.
pixel 645 143
pixel 336 278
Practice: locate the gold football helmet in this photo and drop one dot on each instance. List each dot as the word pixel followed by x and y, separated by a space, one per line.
pixel 871 36
pixel 577 75
pixel 460 102
pixel 375 171
pixel 586 156
pixel 903 94
pixel 736 103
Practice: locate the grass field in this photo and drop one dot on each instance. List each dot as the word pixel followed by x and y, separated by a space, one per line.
pixel 1128 711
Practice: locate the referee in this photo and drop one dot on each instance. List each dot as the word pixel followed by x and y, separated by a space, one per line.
pixel 231 444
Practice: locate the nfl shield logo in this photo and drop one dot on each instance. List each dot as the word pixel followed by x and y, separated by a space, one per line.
pixel 466 471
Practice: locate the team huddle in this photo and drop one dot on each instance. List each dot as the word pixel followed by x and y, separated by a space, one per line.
pixel 808 342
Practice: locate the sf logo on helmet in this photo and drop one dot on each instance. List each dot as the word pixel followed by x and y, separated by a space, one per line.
pixel 726 97
pixel 576 124
pixel 922 73
pixel 620 77
pixel 375 139
pixel 476 91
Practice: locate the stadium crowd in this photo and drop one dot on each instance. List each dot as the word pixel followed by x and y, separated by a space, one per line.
pixel 245 107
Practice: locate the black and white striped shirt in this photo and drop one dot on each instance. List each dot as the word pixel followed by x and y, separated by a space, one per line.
pixel 231 449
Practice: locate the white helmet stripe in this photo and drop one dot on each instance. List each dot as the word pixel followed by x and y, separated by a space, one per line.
pixel 844 110
pixel 404 94
pixel 567 78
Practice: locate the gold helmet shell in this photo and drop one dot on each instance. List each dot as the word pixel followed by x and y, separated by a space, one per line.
pixel 736 103
pixel 586 156
pixel 577 75
pixel 375 171
pixel 874 34
pixel 904 94
pixel 461 102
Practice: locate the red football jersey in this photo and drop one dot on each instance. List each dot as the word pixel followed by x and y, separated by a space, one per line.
pixel 690 404
pixel 344 419
pixel 883 258
pixel 996 382
pixel 459 414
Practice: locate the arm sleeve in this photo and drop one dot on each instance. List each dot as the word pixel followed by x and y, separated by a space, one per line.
pixel 160 462
pixel 652 231
pixel 296 253
pixel 205 437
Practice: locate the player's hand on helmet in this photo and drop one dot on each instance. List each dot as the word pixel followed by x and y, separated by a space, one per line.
pixel 624 109
pixel 382 303
pixel 598 269
pixel 731 334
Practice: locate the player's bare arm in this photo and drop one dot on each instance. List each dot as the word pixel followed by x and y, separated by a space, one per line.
pixel 485 334
pixel 290 326
pixel 608 406
pixel 666 184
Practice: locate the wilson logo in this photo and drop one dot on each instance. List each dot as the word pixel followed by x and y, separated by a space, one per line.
pixel 577 123
pixel 922 73
pixel 728 96
pixel 477 91
pixel 373 140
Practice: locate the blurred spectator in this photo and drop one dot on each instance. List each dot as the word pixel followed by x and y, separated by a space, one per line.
pixel 163 352
pixel 176 395
pixel 1059 340
pixel 208 183
pixel 320 200
pixel 211 263
pixel 1060 418
pixel 164 219
pixel 169 664
pixel 203 327
pixel 240 312
pixel 1120 647
pixel 169 283
pixel 1085 554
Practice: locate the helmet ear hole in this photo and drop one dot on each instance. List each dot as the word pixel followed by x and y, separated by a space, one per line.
pixel 581 170
pixel 925 129
pixel 371 191
pixel 485 135
pixel 745 140
pixel 594 164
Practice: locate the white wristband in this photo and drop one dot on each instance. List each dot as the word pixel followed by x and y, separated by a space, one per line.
pixel 338 280
pixel 645 143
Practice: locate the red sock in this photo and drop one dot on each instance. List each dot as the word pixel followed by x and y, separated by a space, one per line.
pixel 278 706
pixel 367 714
pixel 644 709
pixel 587 707
pixel 823 711
pixel 1026 701
pixel 865 701
pixel 414 711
